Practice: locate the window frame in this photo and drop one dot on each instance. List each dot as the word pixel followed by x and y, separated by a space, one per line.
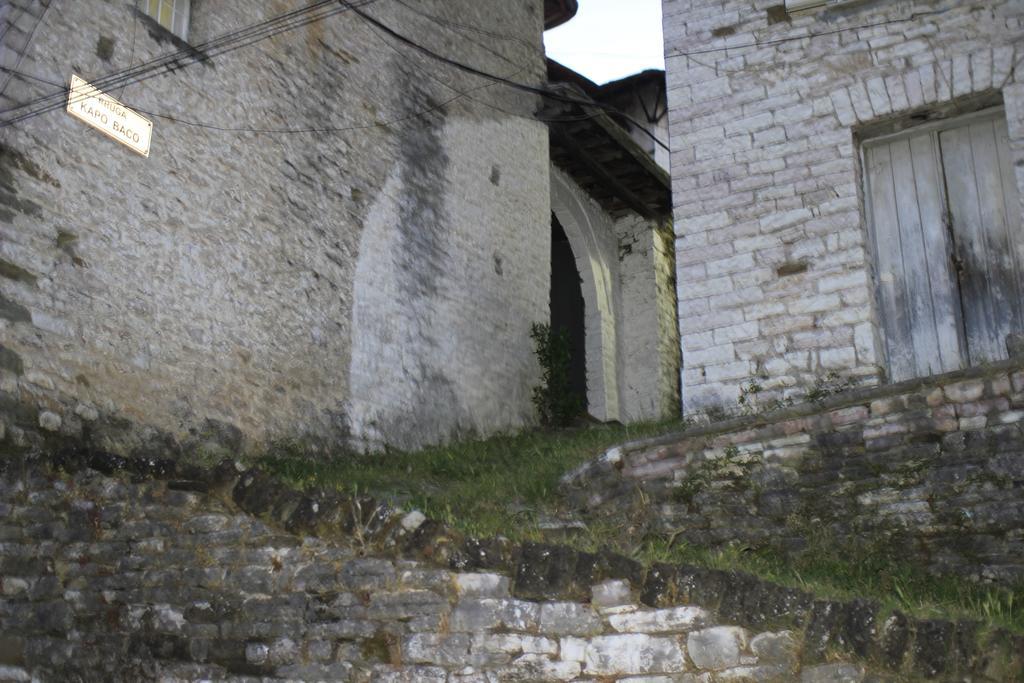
pixel 181 11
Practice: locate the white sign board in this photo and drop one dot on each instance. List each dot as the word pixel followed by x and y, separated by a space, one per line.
pixel 110 117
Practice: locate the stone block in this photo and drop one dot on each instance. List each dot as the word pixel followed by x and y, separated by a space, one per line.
pixel 832 673
pixel 716 648
pixel 968 424
pixel 529 668
pixel 1000 386
pixel 439 649
pixel 814 304
pixel 477 615
pixel 755 674
pixel 962 392
pixel 568 619
pixel 406 604
pixel 14 674
pixel 632 654
pixel 931 649
pixel 49 421
pixel 779 648
pixel 405 674
pixel 474 585
pixel 668 620
pixel 572 649
pixel 611 596
pixel 514 644
pixel 848 416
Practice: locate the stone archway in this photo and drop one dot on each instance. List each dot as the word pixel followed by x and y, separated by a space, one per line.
pixel 568 308
pixel 592 238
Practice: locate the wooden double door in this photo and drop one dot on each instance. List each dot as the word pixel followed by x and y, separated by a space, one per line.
pixel 946 226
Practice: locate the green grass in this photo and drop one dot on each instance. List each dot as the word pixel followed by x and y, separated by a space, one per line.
pixel 503 486
pixel 835 571
pixel 496 486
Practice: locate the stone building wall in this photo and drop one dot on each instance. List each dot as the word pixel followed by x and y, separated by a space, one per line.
pixel 775 279
pixel 378 279
pixel 650 337
pixel 154 571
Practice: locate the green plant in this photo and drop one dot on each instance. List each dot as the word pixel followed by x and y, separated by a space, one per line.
pixel 748 397
pixel 731 466
pixel 829 385
pixel 554 399
pixel 752 403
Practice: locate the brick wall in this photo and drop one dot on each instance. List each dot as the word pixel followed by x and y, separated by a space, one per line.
pixel 772 252
pixel 379 281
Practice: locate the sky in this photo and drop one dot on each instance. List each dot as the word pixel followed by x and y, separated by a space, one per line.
pixel 609 39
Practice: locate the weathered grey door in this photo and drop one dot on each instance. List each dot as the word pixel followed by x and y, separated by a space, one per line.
pixel 948 245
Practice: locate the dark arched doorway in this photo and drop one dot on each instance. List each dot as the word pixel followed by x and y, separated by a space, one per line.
pixel 567 307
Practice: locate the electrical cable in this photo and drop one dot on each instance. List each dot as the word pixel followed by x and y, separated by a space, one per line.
pixel 13 21
pixel 346 6
pixel 28 43
pixel 131 52
pixel 499 79
pixel 459 29
pixel 426 72
pixel 31 77
pixel 226 42
pixel 185 57
pixel 103 82
pixel 309 129
pixel 453 25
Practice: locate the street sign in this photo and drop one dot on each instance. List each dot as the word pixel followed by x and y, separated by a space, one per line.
pixel 110 117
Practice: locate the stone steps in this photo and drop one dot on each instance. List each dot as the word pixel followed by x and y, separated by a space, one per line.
pixel 121 576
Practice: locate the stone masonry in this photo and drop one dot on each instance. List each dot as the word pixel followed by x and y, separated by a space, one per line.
pixel 376 281
pixel 156 571
pixel 934 467
pixel 766 114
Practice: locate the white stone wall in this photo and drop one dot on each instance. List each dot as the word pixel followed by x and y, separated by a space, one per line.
pixel 429 359
pixel 650 343
pixel 241 277
pixel 766 174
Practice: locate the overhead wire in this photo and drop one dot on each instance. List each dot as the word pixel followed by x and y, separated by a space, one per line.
pixel 165 58
pixel 302 130
pixel 131 51
pixel 32 77
pixel 31 36
pixel 13 21
pixel 112 79
pixel 187 56
pixel 499 79
pixel 464 28
pixel 466 94
pixel 182 58
pixel 203 52
pixel 261 31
